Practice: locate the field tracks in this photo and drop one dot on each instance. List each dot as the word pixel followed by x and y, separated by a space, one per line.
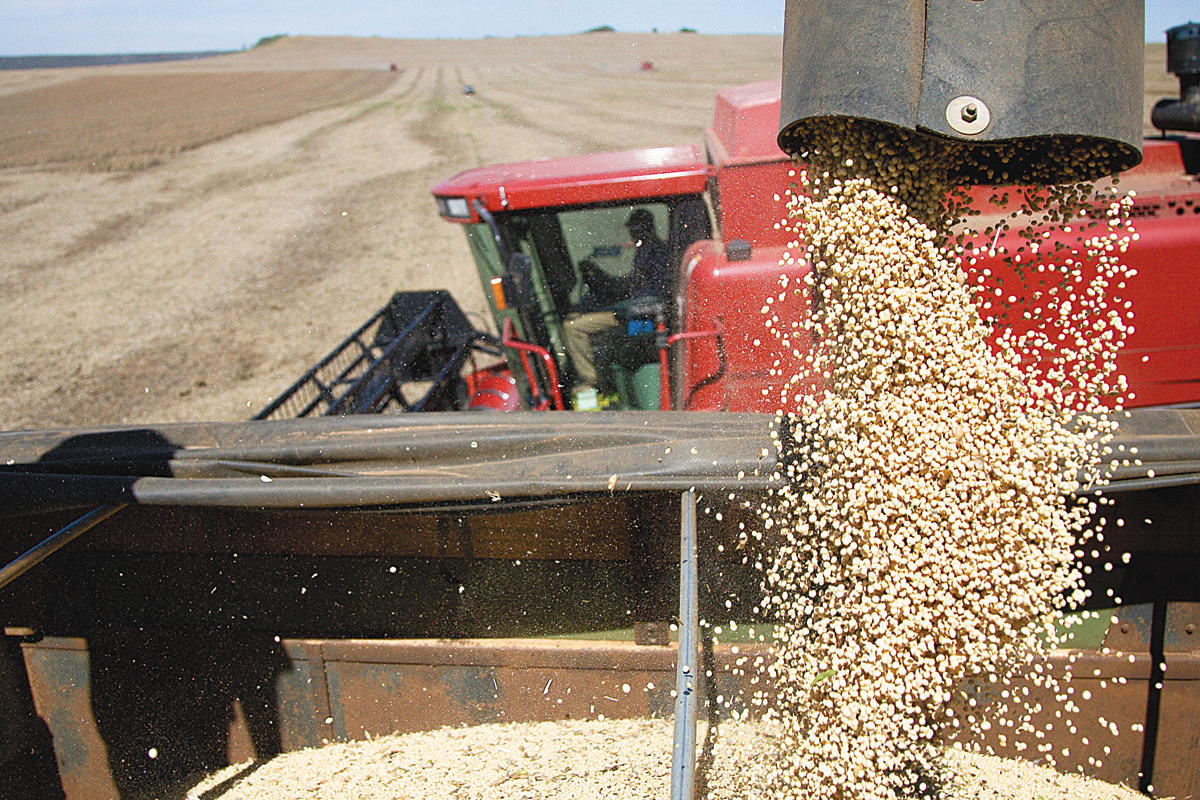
pixel 392 98
pixel 129 121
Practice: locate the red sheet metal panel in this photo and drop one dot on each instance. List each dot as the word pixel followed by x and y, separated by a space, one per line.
pixel 745 123
pixel 731 296
pixel 625 176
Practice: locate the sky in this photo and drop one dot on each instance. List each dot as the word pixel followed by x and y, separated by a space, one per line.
pixel 86 27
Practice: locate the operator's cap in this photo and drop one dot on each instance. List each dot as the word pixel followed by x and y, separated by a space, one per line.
pixel 640 218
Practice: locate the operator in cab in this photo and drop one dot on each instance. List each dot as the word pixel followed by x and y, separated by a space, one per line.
pixel 649 278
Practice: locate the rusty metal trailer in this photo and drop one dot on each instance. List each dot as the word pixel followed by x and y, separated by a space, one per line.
pixel 319 579
pixel 280 584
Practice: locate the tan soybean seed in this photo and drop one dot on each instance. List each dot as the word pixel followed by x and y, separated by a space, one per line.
pixel 929 520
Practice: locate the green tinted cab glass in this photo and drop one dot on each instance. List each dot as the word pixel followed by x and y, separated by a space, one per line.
pixel 600 235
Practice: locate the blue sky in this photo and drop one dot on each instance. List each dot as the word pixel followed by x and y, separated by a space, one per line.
pixel 55 27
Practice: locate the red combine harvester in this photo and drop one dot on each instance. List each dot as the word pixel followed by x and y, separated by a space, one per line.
pixel 538 229
pixel 705 344
pixel 333 570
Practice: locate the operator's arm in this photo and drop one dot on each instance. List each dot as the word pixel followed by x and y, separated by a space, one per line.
pixel 603 289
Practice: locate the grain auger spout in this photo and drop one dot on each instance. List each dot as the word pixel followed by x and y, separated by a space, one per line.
pixel 1047 92
pixel 1183 60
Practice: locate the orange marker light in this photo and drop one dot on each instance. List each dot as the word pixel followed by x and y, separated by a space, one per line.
pixel 498 294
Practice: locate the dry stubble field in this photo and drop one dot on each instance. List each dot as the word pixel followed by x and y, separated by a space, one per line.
pixel 122 122
pixel 200 286
pixel 188 237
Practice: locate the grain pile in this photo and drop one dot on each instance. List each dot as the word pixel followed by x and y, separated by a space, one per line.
pixel 578 760
pixel 930 526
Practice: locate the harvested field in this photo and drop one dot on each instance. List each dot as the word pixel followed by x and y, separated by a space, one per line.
pixel 202 286
pixel 118 122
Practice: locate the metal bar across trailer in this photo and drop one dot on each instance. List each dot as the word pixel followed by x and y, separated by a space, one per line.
pixel 687 680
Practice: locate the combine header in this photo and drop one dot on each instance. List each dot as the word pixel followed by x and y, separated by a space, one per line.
pixel 409 356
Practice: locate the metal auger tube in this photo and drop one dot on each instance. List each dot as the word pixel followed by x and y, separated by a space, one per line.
pixel 1016 85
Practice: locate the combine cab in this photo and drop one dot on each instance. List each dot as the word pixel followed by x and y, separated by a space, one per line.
pixel 534 228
